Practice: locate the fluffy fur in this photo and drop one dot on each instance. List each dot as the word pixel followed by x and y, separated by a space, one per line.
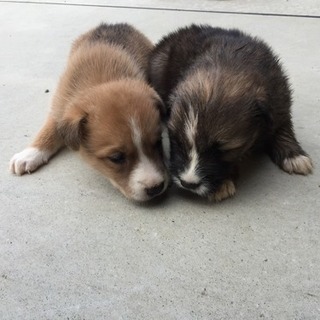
pixel 226 95
pixel 104 108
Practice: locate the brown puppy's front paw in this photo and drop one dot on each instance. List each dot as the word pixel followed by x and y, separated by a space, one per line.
pixel 226 190
pixel 300 164
pixel 28 160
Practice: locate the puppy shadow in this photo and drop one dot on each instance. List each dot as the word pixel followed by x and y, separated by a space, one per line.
pixel 156 202
pixel 250 172
pixel 256 174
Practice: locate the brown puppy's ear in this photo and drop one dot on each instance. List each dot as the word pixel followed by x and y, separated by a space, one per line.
pixel 72 127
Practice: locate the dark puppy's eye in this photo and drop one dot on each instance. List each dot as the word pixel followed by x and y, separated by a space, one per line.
pixel 118 158
pixel 213 150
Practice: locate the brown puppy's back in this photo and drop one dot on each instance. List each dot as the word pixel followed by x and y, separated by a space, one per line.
pixel 137 45
pixel 106 53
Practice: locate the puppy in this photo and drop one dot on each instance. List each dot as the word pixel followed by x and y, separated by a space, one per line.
pixel 226 95
pixel 104 108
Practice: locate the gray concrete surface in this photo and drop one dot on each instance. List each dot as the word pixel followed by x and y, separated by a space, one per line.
pixel 71 247
pixel 288 7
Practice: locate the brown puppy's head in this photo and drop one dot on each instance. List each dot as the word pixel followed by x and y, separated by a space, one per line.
pixel 117 128
pixel 215 119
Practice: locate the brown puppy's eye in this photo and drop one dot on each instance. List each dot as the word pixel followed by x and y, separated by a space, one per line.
pixel 118 158
pixel 158 144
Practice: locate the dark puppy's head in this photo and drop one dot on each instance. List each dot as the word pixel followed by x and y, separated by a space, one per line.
pixel 215 119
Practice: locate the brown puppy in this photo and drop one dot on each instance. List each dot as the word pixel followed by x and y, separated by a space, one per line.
pixel 226 95
pixel 104 108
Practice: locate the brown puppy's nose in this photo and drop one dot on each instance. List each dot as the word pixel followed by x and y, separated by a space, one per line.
pixel 188 185
pixel 155 190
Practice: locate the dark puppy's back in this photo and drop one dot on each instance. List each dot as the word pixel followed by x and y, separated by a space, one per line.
pixel 176 52
pixel 206 47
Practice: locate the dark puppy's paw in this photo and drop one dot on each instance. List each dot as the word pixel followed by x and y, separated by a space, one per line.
pixel 226 190
pixel 300 164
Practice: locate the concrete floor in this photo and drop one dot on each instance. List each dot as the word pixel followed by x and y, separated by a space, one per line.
pixel 71 247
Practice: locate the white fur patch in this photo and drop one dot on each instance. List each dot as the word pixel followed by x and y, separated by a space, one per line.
pixel 190 174
pixel 300 164
pixel 191 126
pixel 28 160
pixel 166 144
pixel 146 174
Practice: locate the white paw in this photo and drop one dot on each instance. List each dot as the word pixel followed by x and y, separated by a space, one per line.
pixel 299 164
pixel 28 160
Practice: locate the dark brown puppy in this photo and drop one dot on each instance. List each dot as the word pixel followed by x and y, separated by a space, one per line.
pixel 104 108
pixel 226 95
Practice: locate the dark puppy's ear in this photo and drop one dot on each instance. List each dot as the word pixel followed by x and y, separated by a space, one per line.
pixel 263 113
pixel 162 108
pixel 72 127
pixel 261 109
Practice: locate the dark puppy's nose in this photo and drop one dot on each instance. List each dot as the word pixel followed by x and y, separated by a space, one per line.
pixel 188 185
pixel 155 190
